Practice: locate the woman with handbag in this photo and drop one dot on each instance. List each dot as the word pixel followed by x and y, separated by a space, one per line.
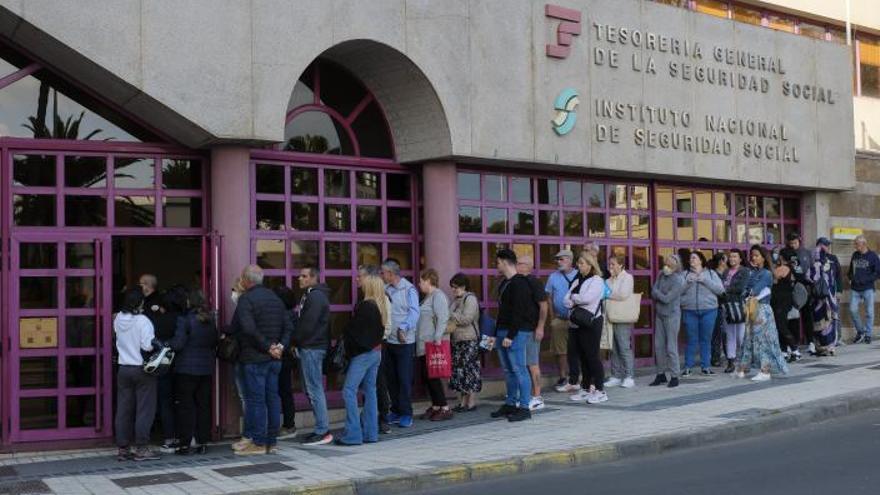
pixel 362 341
pixel 666 292
pixel 622 358
pixel 699 304
pixel 785 312
pixel 735 279
pixel 584 299
pixel 464 316
pixel 761 345
pixel 433 317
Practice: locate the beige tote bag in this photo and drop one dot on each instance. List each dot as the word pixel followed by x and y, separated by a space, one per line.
pixel 626 311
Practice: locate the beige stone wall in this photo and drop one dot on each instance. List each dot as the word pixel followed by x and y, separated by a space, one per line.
pixel 862 12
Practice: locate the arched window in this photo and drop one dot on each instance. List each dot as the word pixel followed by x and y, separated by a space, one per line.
pixel 331 112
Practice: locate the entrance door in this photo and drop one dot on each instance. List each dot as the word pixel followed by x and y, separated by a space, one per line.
pixel 59 338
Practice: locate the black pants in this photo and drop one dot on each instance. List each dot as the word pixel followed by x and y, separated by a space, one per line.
pixel 399 374
pixel 807 320
pixel 574 357
pixel 588 342
pixel 435 386
pixel 789 330
pixel 285 391
pixel 718 339
pixel 192 398
pixel 135 406
pixel 384 401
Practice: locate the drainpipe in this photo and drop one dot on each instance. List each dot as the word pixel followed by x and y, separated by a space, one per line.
pixel 848 24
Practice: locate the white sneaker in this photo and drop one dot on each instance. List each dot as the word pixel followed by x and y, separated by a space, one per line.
pixel 581 396
pixel 598 397
pixel 536 403
pixel 761 377
pixel 740 374
pixel 613 382
pixel 628 383
pixel 564 388
pixel 811 349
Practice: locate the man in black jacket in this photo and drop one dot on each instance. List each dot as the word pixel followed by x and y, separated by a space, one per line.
pixel 312 337
pixel 517 319
pixel 263 331
pixel 802 260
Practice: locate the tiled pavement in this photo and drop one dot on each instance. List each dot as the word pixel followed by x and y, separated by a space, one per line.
pixel 699 403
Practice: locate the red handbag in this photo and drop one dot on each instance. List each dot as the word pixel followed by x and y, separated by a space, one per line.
pixel 438 359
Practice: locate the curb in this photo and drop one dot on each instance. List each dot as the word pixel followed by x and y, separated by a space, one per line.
pixel 774 421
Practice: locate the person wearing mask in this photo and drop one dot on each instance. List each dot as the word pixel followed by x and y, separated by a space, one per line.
pixel 382 398
pixel 135 389
pixel 825 275
pixel 782 301
pixel 666 292
pixel 263 331
pixel 563 339
pixel 864 270
pixel 464 313
pixel 524 266
pixel 699 304
pixel 172 305
pixel 433 317
pixel 622 358
pixel 363 346
pixel 587 293
pixel 312 338
pixel 800 269
pixel 719 265
pixel 400 349
pixel 285 377
pixel 517 319
pixel 761 346
pixel 735 279
pixel 194 343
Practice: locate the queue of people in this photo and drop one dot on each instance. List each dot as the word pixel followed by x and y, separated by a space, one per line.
pixel 749 308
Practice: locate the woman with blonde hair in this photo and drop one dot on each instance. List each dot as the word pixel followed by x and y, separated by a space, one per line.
pixel 363 347
pixel 584 299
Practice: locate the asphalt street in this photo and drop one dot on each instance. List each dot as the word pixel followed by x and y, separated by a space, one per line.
pixel 836 457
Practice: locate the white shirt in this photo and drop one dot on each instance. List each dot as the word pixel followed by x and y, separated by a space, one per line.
pixel 134 333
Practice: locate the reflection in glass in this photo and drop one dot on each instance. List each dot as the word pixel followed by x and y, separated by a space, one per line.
pixel 80 331
pixel 303 253
pixel 304 216
pixel 80 292
pixel 685 229
pixel 80 255
pixel 187 212
pixel 337 255
pixel 469 219
pixel 496 189
pixel 134 211
pixel 617 224
pixel 470 255
pixel 521 190
pixel 684 201
pixel 664 198
pixel 771 208
pixel 756 234
pixel 722 203
pixel 80 371
pixel 755 207
pixel 640 226
pixel 722 231
pixel 740 202
pixel 38 373
pixel 33 210
pixel 85 171
pixel 181 174
pixel 85 211
pixel 398 186
pixel 369 253
pixel 37 292
pixel 571 193
pixel 336 183
pixel 595 196
pixel 548 222
pixel 476 283
pixel 134 173
pixel 547 254
pixel 37 255
pixel 38 413
pixel 704 202
pixel 791 209
pixel 369 219
pixel 665 231
pixel 402 253
pixel 641 258
pixel 574 223
pixel 704 230
pixel 524 222
pixel 372 132
pixel 468 186
pixel 639 197
pixel 270 253
pixel 33 170
pixel 303 181
pixel 548 191
pixel 595 224
pixel 368 185
pixel 80 411
pixel 399 220
pixel 773 234
pixel 617 196
pixel 340 289
pixel 269 178
pixel 337 218
pixel 317 132
pixel 496 220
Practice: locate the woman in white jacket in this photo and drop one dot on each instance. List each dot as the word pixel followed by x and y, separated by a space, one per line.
pixel 586 294
pixel 622 358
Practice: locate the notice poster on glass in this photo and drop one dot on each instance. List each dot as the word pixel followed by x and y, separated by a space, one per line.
pixel 37 333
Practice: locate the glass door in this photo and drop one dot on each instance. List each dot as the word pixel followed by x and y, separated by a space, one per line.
pixel 59 334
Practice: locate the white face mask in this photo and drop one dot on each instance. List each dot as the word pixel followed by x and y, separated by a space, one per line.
pixel 667 270
pixel 235 295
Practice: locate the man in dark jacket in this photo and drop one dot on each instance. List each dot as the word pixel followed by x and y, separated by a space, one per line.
pixel 312 338
pixel 263 330
pixel 517 320
pixel 801 260
pixel 864 270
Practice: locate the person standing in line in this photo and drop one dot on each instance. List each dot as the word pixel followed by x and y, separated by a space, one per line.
pixel 517 319
pixel 699 304
pixel 433 318
pixel 285 377
pixel 824 245
pixel 233 331
pixel 400 349
pixel 563 339
pixel 382 398
pixel 149 284
pixel 735 280
pixel 172 305
pixel 719 265
pixel 264 331
pixel 363 346
pixel 622 358
pixel 587 294
pixel 825 275
pixel 595 250
pixel 864 270
pixel 464 312
pixel 135 389
pixel 194 343
pixel 761 346
pixel 782 302
pixel 800 269
pixel 666 292
pixel 524 266
pixel 312 338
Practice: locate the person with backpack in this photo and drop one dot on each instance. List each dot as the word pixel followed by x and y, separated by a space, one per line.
pixel 699 304
pixel 563 340
pixel 464 313
pixel 864 270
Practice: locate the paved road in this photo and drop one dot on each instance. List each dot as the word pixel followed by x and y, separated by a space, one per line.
pixel 837 457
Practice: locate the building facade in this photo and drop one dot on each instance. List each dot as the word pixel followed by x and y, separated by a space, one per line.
pixel 287 133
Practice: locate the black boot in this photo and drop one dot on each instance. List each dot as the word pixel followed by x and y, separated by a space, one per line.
pixel 673 382
pixel 658 380
pixel 730 367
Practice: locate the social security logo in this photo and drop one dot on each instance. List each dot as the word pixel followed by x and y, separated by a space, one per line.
pixel 565 106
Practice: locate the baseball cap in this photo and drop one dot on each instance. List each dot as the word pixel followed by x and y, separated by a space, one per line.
pixel 823 241
pixel 563 253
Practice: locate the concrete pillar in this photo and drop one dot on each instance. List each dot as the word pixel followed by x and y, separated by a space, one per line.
pixel 231 217
pixel 439 190
pixel 817 217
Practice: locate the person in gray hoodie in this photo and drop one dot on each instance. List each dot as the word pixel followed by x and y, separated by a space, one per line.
pixel 667 320
pixel 699 304
pixel 311 335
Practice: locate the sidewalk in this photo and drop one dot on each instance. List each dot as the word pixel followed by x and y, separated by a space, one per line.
pixel 472 446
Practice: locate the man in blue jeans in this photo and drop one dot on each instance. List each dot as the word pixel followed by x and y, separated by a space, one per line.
pixel 312 339
pixel 263 330
pixel 517 319
pixel 864 270
pixel 401 347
